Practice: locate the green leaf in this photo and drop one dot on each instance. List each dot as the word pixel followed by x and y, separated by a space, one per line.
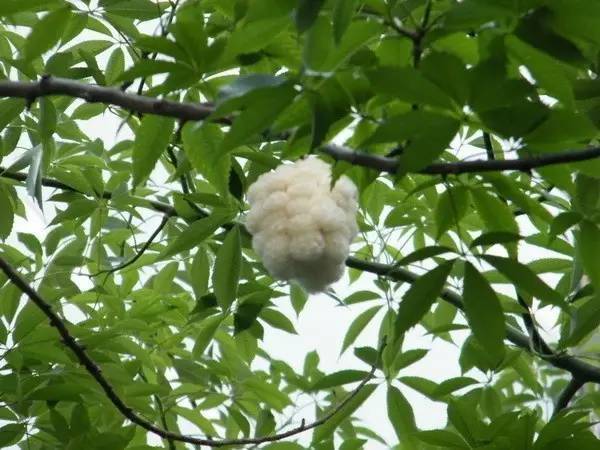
pixel 34 175
pixel 298 297
pixel 561 223
pixel 79 209
pixel 267 392
pixel 420 296
pixel 318 45
pixel 361 296
pixel 159 44
pixel 80 420
pixel 451 207
pixel 197 232
pixel 326 430
pixel 484 313
pixel 257 117
pixel 147 67
pixel 11 434
pixel 472 13
pixel 8 7
pixel 134 9
pixel 424 253
pixel 401 416
pixel 494 237
pixel 524 278
pixel 227 269
pixel 115 66
pixel 358 325
pixel 442 438
pixel 368 355
pixel 151 140
pixel 343 11
pixel 201 143
pixel 496 215
pixel 547 71
pixel 421 385
pixel 46 33
pixel 563 126
pixel 277 320
pixel 254 36
pixel 7 216
pixel 585 319
pixel 10 109
pixel 265 424
pixel 449 73
pixel 428 135
pixel 407 84
pixel 306 13
pixel 453 384
pixel 339 378
pixel 246 313
pixel 208 328
pixel 200 272
pixel 408 357
pixel 589 250
pixel 284 446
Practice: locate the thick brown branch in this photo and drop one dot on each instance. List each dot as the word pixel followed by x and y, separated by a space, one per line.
pixel 95 371
pixel 31 90
pixel 567 395
pixel 579 369
pixel 387 164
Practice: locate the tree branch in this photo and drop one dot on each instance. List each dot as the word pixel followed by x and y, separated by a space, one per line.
pixel 567 395
pixel 48 85
pixel 91 93
pixel 387 164
pixel 139 254
pixel 489 148
pixel 94 370
pixel 579 369
pixel 52 183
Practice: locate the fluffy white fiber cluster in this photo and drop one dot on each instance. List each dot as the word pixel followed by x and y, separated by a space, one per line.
pixel 301 228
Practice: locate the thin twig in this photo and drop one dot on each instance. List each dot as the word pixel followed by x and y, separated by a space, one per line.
pixel 161 413
pixel 52 183
pixel 489 149
pixel 139 254
pixel 94 370
pixel 538 343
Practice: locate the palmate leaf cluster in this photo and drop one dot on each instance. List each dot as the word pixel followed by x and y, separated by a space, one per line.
pixel 148 264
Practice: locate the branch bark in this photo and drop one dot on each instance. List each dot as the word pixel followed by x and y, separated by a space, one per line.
pixel 31 90
pixel 567 395
pixel 390 165
pixel 94 370
pixel 46 86
pixel 579 369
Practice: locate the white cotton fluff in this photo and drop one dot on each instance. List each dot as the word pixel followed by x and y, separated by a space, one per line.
pixel 301 228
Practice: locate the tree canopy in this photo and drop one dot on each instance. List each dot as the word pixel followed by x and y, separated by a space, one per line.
pixel 137 316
